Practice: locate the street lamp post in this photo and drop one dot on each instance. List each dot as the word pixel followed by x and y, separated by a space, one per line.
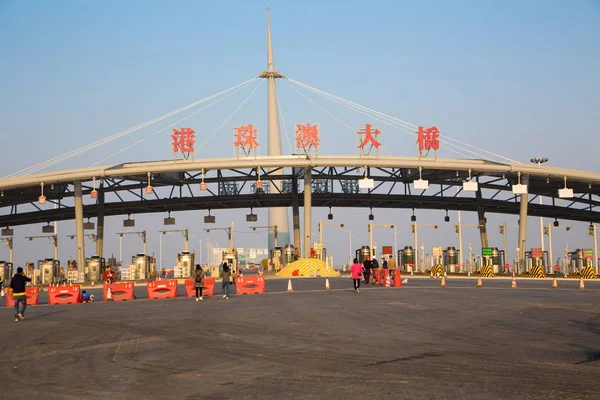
pixel 539 161
pixel 548 231
pixel 350 258
pixel 321 226
pixel 415 230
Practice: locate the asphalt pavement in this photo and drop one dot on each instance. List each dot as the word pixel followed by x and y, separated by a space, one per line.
pixel 420 341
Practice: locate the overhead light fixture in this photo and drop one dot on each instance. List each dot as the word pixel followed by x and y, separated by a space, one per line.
pixel 149 189
pixel 7 231
pixel 259 183
pixel 330 215
pixel 88 225
pixel 209 219
pixel 94 192
pixel 371 216
pixel 565 193
pixel 519 188
pixel 421 184
pixel 42 198
pixel 447 217
pixel 556 224
pixel 366 182
pixel 128 223
pixel 470 186
pixel 251 217
pixel 169 220
pixel 413 217
pixel 48 228
pixel 202 184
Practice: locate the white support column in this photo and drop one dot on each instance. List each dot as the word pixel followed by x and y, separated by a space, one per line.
pixel 79 231
pixel 595 251
pixel 550 255
pixel 307 210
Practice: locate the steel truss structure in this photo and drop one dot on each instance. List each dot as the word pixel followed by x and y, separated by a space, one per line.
pixel 232 183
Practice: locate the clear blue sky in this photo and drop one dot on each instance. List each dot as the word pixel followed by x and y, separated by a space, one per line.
pixel 516 77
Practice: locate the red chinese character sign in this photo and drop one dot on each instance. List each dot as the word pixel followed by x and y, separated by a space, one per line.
pixel 245 140
pixel 183 140
pixel 367 139
pixel 428 139
pixel 307 138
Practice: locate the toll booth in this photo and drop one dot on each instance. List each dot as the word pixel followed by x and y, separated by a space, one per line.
pixel 406 258
pixel 230 256
pixel 185 264
pixel 95 268
pixel 580 259
pixel 452 260
pixel 48 271
pixel 492 257
pixel 141 267
pixel 536 257
pixel 6 272
pixel 289 254
pixel 362 253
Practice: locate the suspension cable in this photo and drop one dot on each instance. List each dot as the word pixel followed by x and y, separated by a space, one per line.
pixel 83 149
pixel 400 122
pixel 230 116
pixel 170 125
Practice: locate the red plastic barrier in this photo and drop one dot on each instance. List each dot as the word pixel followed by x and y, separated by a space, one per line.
pixel 120 291
pixel 250 284
pixel 165 289
pixel 376 276
pixel 31 292
pixel 385 276
pixel 397 281
pixel 209 287
pixel 66 294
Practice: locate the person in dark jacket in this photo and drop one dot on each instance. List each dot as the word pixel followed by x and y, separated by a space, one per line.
pixel 18 287
pixel 367 265
pixel 198 278
pixel 225 276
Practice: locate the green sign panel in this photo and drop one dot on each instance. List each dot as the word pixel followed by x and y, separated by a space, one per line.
pixel 486 251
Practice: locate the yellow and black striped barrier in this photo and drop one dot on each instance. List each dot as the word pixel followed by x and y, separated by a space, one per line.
pixel 588 273
pixel 487 272
pixel 437 270
pixel 537 272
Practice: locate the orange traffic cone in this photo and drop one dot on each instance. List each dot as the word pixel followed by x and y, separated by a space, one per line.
pixel 514 283
pixel 92 283
pixel 554 283
pixel 290 286
pixel 581 285
pixel 327 287
pixel 109 295
pixel 443 283
pixel 479 282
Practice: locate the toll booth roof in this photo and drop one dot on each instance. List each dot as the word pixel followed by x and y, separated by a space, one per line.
pixel 185 252
pixel 94 257
pixel 48 259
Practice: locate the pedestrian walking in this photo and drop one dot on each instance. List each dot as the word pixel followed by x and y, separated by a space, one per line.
pixel 225 276
pixel 392 263
pixel 367 265
pixel 356 272
pixel 18 288
pixel 198 277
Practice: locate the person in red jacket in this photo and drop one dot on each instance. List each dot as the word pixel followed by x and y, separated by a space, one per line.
pixel 108 276
pixel 356 271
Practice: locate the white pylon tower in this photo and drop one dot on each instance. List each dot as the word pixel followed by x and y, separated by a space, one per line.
pixel 278 216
